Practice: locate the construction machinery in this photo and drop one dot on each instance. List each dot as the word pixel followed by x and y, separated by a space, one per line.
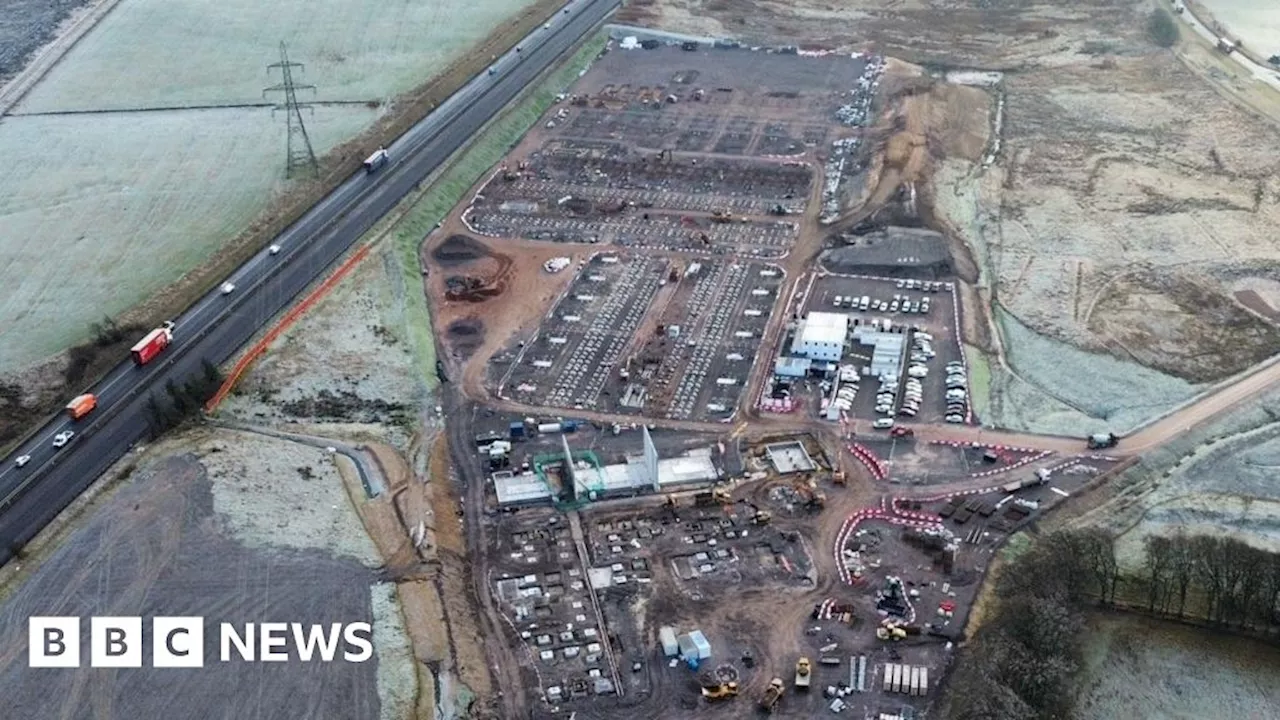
pixel 804 673
pixel 894 630
pixel 722 691
pixel 810 497
pixel 772 694
pixel 716 496
pixel 837 477
pixel 758 516
pixel 890 632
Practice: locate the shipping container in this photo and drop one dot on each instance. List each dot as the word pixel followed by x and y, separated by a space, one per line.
pixel 667 637
pixel 546 428
pixel 924 681
pixel 888 677
pixel 516 431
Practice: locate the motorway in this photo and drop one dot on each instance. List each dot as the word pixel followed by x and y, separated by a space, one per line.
pixel 218 325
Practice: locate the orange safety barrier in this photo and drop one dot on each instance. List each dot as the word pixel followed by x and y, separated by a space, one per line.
pixel 290 317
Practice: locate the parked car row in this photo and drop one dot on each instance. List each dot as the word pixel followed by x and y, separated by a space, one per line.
pixel 957 392
pixel 848 389
pixel 930 286
pixel 866 303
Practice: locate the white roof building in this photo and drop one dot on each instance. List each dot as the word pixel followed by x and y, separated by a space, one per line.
pixel 821 336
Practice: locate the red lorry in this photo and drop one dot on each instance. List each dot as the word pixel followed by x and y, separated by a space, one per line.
pixel 151 345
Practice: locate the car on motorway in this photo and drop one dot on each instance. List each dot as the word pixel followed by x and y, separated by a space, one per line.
pixel 63 438
pixel 22 460
pixel 493 71
pixel 547 26
pixel 228 288
pixel 274 249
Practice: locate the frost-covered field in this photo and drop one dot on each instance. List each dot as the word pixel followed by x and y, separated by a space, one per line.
pixel 113 207
pixel 1217 478
pixel 1134 667
pixel 164 53
pixel 1061 389
pixel 107 208
pixel 351 344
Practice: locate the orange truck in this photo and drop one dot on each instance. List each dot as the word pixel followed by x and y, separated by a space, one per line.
pixel 82 405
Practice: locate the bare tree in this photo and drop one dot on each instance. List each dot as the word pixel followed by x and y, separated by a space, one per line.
pixel 1183 568
pixel 1159 563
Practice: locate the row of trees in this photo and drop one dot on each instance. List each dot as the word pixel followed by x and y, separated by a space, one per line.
pixel 180 402
pixel 1022 663
pixel 1220 580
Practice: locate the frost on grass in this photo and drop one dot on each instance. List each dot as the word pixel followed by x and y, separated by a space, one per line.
pixel 178 53
pixel 397 677
pixel 1151 669
pixel 277 493
pixel 1215 478
pixel 1098 389
pixel 1225 487
pixel 114 207
pixel 345 360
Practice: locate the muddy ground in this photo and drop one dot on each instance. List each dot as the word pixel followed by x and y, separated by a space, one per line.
pixel 1124 210
pixel 266 534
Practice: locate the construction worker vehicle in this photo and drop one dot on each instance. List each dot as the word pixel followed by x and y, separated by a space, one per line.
pixel 804 673
pixel 772 694
pixel 723 691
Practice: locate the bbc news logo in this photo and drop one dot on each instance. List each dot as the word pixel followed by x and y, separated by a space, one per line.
pixel 178 642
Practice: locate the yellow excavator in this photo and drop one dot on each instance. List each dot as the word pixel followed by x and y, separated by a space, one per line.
pixel 723 691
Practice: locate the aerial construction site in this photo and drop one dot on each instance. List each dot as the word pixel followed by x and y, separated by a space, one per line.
pixel 747 365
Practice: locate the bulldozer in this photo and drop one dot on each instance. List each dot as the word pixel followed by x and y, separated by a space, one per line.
pixel 773 693
pixel 722 691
